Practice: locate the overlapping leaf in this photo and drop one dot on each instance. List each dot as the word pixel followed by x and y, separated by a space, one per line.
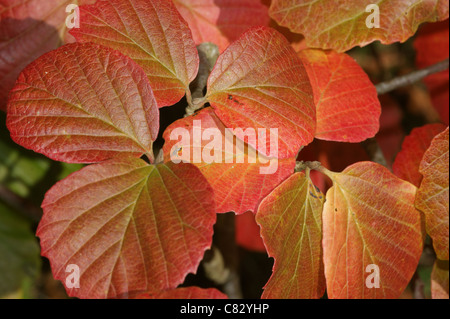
pixel 239 175
pixel 407 162
pixel 83 103
pixel 291 226
pixel 259 82
pixel 370 224
pixel 186 293
pixel 439 280
pixel 28 29
pixel 128 226
pixel 342 25
pixel 152 33
pixel 222 21
pixel 346 101
pixel 432 46
pixel 433 194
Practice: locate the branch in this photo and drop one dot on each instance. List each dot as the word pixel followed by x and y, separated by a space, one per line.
pixel 371 145
pixel 388 86
pixel 221 264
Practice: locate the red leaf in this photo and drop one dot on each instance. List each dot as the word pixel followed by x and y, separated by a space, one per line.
pixel 152 33
pixel 433 195
pixel 342 25
pixel 128 226
pixel 407 162
pixel 83 103
pixel 347 106
pixel 28 29
pixel 439 280
pixel 222 21
pixel 186 293
pixel 239 175
pixel 369 221
pixel 432 46
pixel 291 227
pixel 248 233
pixel 259 82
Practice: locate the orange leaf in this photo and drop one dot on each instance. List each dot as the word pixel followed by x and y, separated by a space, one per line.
pixel 291 227
pixel 439 280
pixel 239 175
pixel 347 106
pixel 372 238
pixel 433 194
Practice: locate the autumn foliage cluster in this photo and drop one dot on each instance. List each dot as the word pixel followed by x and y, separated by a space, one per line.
pixel 136 223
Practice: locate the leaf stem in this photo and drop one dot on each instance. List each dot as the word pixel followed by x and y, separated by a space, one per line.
pixel 315 165
pixel 150 156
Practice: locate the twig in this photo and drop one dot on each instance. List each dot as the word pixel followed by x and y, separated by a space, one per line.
pixel 374 151
pixel 371 145
pixel 220 263
pixel 388 86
